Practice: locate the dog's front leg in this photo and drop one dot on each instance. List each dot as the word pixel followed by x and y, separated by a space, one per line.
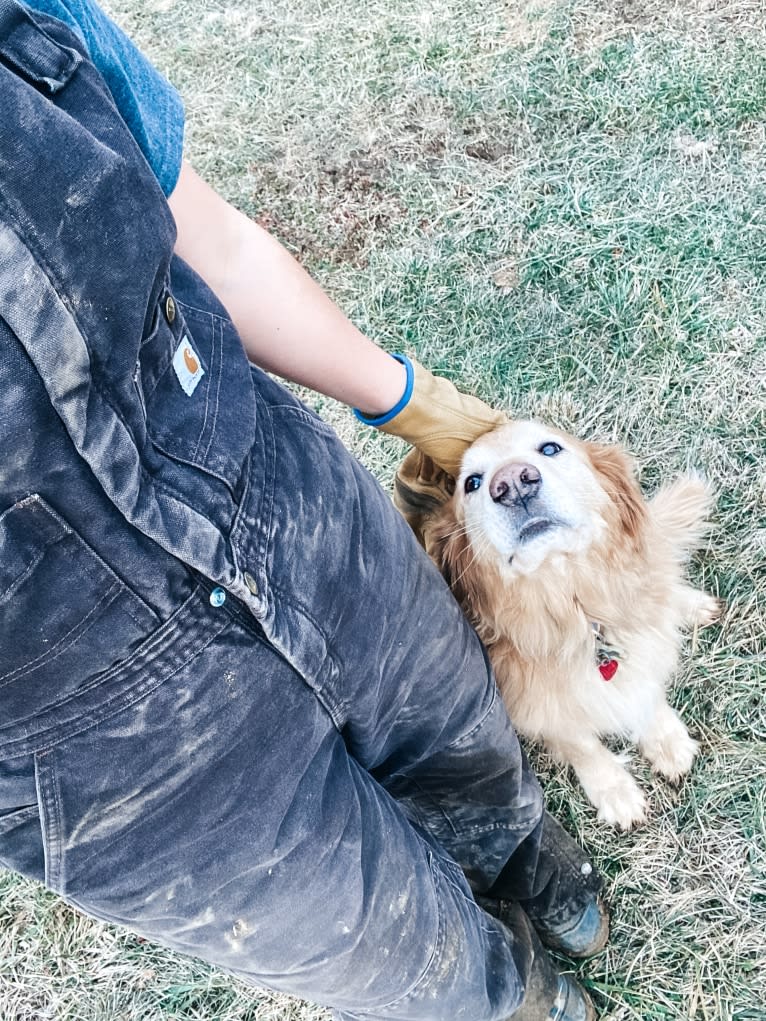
pixel 608 784
pixel 667 745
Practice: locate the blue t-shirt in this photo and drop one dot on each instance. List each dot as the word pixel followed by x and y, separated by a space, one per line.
pixel 149 105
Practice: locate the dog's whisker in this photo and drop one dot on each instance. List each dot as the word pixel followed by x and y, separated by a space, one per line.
pixel 477 551
pixel 457 532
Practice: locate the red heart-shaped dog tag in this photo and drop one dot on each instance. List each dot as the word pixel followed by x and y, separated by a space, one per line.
pixel 608 669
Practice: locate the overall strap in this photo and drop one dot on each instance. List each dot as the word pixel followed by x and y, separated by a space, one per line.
pixel 34 55
pixel 86 241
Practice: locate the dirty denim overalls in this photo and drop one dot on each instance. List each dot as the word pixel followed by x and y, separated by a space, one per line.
pixel 240 713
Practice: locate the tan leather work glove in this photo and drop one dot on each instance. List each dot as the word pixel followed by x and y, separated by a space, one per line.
pixel 441 423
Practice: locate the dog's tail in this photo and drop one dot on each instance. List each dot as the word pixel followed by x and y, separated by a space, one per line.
pixel 681 512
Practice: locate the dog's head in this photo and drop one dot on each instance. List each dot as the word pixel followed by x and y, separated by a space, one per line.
pixel 528 494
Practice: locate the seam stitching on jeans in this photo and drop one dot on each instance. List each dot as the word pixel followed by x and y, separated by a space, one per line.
pixel 481 723
pixel 211 369
pixel 217 342
pixel 437 875
pixel 60 647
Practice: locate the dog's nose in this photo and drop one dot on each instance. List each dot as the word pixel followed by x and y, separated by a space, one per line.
pixel 515 483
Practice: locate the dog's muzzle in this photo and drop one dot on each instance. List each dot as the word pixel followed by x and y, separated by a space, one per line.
pixel 515 484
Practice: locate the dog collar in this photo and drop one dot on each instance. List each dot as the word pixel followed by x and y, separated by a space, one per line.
pixel 607 657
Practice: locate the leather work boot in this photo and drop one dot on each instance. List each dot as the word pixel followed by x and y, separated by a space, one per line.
pixel 548 995
pixel 566 907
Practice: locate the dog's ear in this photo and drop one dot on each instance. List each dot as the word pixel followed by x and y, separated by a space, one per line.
pixel 615 471
pixel 447 545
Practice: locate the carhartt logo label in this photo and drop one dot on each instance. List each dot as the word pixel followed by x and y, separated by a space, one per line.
pixel 187 366
pixel 190 361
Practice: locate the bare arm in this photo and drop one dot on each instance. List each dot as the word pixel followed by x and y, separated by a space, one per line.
pixel 287 323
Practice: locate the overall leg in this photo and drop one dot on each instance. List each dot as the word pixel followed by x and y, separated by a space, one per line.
pixel 221 814
pixel 213 798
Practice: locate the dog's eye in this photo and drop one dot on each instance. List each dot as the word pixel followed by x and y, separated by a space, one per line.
pixel 472 483
pixel 550 449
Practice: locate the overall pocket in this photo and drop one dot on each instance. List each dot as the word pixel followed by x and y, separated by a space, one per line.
pixel 66 616
pixel 21 842
pixel 194 384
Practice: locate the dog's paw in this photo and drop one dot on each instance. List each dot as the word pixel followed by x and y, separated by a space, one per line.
pixel 708 610
pixel 673 756
pixel 621 804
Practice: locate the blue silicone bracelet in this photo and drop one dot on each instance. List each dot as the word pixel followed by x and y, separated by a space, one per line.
pixel 400 404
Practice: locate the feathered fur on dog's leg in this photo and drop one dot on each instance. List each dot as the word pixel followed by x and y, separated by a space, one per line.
pixel 609 786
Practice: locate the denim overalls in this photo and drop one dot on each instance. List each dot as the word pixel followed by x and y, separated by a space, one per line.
pixel 240 712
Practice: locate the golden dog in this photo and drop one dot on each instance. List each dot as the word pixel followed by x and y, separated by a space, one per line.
pixel 576 585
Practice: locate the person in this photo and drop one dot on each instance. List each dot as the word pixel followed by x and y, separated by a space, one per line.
pixel 240 712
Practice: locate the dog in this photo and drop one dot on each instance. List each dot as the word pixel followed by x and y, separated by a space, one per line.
pixel 576 585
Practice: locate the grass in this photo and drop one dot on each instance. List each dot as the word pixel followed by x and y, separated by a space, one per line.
pixel 560 205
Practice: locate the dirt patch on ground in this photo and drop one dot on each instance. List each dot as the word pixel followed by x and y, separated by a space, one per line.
pixel 350 200
pixel 358 203
pixel 598 22
pixel 528 21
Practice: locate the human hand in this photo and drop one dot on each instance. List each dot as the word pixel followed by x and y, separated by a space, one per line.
pixel 441 423
pixel 438 419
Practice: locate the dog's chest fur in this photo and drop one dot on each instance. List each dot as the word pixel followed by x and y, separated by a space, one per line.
pixel 546 639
